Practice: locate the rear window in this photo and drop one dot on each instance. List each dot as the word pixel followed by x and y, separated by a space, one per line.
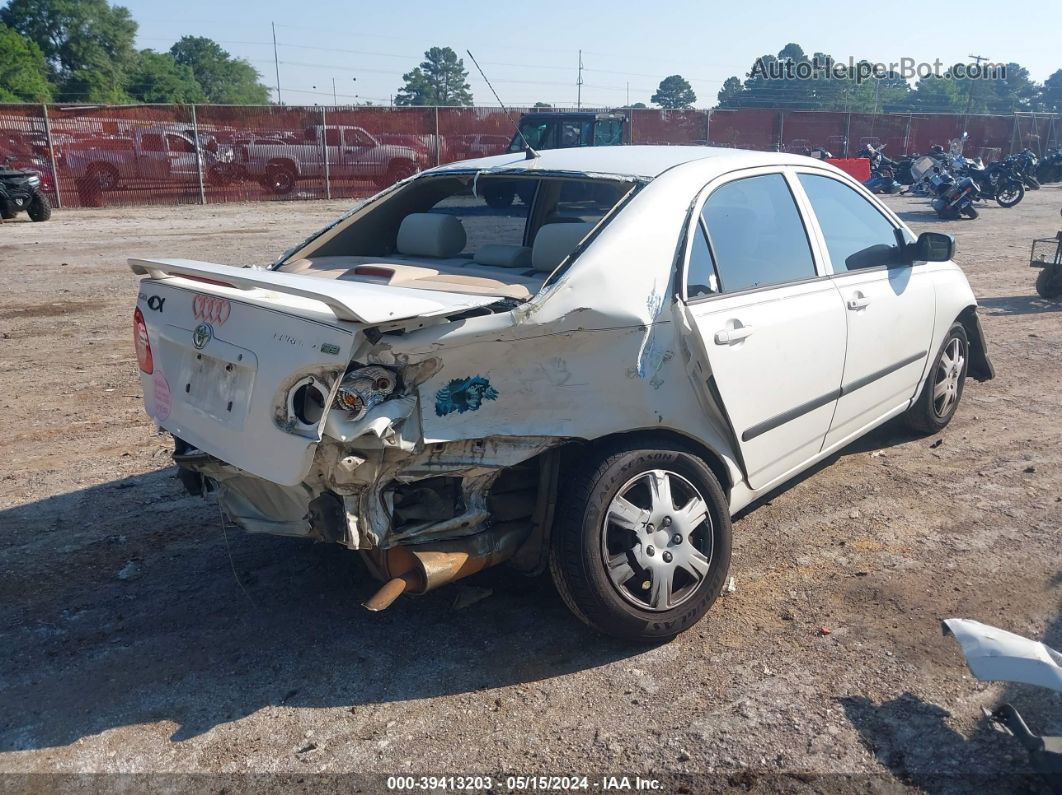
pixel 504 223
pixel 491 211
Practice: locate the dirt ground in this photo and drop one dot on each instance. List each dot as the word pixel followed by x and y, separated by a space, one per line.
pixel 136 636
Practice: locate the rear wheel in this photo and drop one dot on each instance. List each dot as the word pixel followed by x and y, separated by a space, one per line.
pixel 642 548
pixel 1049 282
pixel 39 208
pixel 396 172
pixel 280 179
pixel 942 391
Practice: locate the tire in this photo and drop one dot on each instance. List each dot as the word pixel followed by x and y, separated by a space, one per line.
pixel 218 178
pixel 1032 183
pixel 499 199
pixel 105 176
pixel 969 211
pixel 280 180
pixel 929 414
pixel 665 587
pixel 7 212
pixel 396 172
pixel 1010 193
pixel 39 208
pixel 1049 282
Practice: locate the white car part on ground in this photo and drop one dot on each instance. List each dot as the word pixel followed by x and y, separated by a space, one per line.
pixel 995 655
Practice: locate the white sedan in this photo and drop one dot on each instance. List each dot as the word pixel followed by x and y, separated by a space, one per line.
pixel 591 379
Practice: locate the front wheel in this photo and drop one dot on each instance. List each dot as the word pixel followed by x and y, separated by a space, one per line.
pixel 937 402
pixel 1010 193
pixel 642 546
pixel 1049 282
pixel 969 211
pixel 39 208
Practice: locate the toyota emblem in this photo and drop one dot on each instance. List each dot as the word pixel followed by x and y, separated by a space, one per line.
pixel 211 309
pixel 202 335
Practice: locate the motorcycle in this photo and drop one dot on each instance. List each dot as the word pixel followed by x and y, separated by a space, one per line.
pixel 994 182
pixel 953 198
pixel 1050 167
pixel 1024 165
pixel 20 191
pixel 882 180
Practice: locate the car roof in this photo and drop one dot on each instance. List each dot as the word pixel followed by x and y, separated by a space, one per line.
pixel 627 161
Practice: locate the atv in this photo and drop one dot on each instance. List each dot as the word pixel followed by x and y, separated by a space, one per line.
pixel 20 190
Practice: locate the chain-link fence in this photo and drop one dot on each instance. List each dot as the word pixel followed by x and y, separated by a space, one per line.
pixel 180 154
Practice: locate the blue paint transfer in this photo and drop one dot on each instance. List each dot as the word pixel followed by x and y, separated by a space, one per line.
pixel 464 394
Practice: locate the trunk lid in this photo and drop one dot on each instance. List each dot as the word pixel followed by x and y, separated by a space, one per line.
pixel 233 350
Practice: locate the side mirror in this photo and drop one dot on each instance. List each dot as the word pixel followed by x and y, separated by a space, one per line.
pixel 932 247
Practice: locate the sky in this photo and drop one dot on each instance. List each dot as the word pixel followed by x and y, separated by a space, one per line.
pixel 530 51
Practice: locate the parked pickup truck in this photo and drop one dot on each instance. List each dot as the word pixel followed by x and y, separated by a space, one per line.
pixel 148 154
pixel 353 153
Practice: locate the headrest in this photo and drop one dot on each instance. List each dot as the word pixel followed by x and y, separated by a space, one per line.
pixel 502 256
pixel 554 242
pixel 431 235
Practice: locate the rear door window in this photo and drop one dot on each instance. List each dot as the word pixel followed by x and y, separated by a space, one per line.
pixel 756 234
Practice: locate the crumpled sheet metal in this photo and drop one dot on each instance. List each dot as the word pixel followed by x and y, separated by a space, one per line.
pixel 995 655
pixel 260 506
pixel 378 428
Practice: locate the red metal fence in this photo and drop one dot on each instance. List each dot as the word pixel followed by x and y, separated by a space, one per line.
pixel 148 154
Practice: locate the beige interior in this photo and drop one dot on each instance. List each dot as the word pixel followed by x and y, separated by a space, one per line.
pixel 428 259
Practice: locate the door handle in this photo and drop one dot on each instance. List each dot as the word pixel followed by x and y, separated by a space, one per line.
pixel 858 301
pixel 728 336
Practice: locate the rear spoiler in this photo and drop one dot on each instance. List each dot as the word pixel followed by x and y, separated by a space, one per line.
pixel 360 302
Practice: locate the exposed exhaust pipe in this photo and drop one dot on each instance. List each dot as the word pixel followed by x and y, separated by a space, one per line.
pixel 424 567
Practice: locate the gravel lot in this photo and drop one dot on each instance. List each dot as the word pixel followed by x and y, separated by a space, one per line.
pixel 137 638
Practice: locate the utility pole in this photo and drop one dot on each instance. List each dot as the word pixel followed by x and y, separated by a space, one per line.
pixel 579 83
pixel 628 93
pixel 969 91
pixel 335 102
pixel 276 61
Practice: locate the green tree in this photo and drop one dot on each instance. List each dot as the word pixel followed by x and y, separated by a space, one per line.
pixel 441 79
pixel 542 106
pixel 1015 92
pixel 225 80
pixel 937 95
pixel 22 69
pixel 636 105
pixel 157 77
pixel 729 93
pixel 674 91
pixel 88 44
pixel 1051 94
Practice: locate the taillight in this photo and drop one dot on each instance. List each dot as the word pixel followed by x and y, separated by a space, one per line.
pixel 142 344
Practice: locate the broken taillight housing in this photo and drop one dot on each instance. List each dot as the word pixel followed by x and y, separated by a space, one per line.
pixel 142 344
pixel 364 388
